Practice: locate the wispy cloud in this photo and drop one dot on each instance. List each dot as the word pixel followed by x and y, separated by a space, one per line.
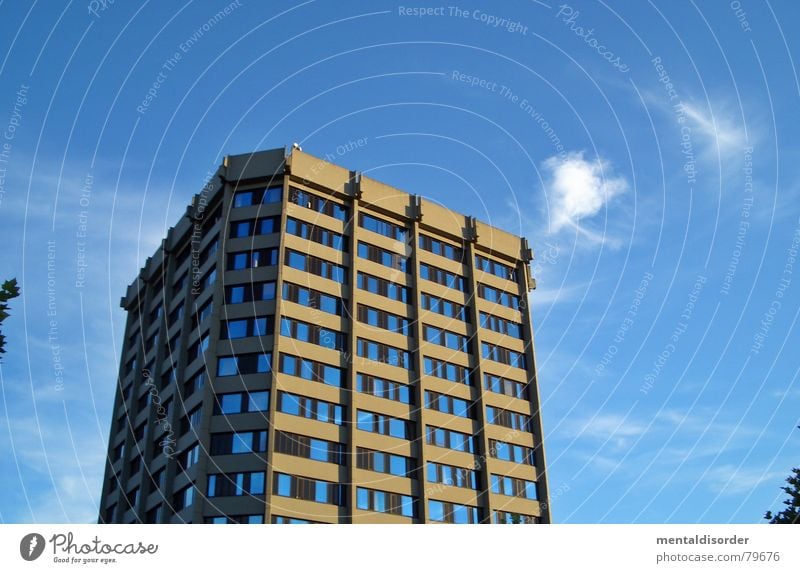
pixel 732 480
pixel 718 130
pixel 579 189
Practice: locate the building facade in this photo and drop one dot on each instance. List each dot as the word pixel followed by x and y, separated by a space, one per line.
pixel 311 345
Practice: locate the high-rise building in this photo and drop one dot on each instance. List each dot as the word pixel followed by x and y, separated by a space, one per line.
pixel 311 345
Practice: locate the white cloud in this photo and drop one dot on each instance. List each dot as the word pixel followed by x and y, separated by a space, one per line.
pixel 731 480
pixel 580 188
pixel 718 131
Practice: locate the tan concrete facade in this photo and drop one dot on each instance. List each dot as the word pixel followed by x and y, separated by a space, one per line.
pixel 167 361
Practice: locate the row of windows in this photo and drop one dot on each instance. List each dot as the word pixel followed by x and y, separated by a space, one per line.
pixel 383 287
pixel 495 268
pixel 313 334
pixel 382 227
pixel 498 296
pixel 309 489
pixel 509 517
pixel 383 424
pixel 311 298
pixel 383 257
pixel 234 519
pixel 255 363
pixel 250 292
pixel 444 307
pixel 310 408
pixel 447 512
pixel 310 370
pixel 441 248
pixel 446 370
pixel 252 259
pixel 385 502
pixel 316 266
pixel 516 487
pixel 238 443
pixel 241 402
pixel 316 234
pixel 384 462
pixel 318 204
pixel 383 319
pixel 383 388
pixel 309 448
pixel 511 452
pixel 384 353
pixel 272 194
pixel 244 327
pixel 446 338
pixel 258 226
pixel 235 484
pixel 442 277
pixel 504 386
pixel 450 439
pixel 451 475
pixel 507 419
pixel 501 325
pixel 447 404
pixel 504 355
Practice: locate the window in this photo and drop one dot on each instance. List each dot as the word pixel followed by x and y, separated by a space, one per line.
pixel 452 475
pixel 154 515
pixel 439 276
pixel 290 520
pixel 194 383
pixel 242 328
pixel 316 266
pixel 210 250
pixel 509 517
pixel 383 257
pixel 252 259
pixel 504 355
pixel 197 349
pixel 385 502
pixel 501 325
pixel 271 194
pixel 316 234
pixel 244 364
pixel 498 296
pixel 179 284
pixel 309 489
pixel 118 452
pixel 446 370
pixel 384 463
pixel 318 204
pixel 441 248
pixel 312 298
pixel 132 497
pixel 504 386
pixel 190 456
pixel 384 228
pixel 446 338
pixel 313 334
pixel 309 448
pixel 241 402
pixel 235 484
pixel 447 512
pixel 248 292
pixel 175 315
pixel 238 443
pixel 384 320
pixel 447 404
pixel 505 485
pixel 382 287
pixel 444 307
pixel 235 519
pixel 383 388
pixel 155 314
pixel 383 424
pixel 183 498
pixel 311 408
pixel 507 419
pixel 450 439
pixel 310 370
pixel 191 421
pixel 495 268
pixel 384 353
pixel 202 313
pixel 259 226
pixel 511 452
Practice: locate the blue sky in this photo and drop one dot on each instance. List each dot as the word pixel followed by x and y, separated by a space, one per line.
pixel 647 150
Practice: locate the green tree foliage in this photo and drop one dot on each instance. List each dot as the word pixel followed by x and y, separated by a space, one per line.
pixel 8 290
pixel 791 513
